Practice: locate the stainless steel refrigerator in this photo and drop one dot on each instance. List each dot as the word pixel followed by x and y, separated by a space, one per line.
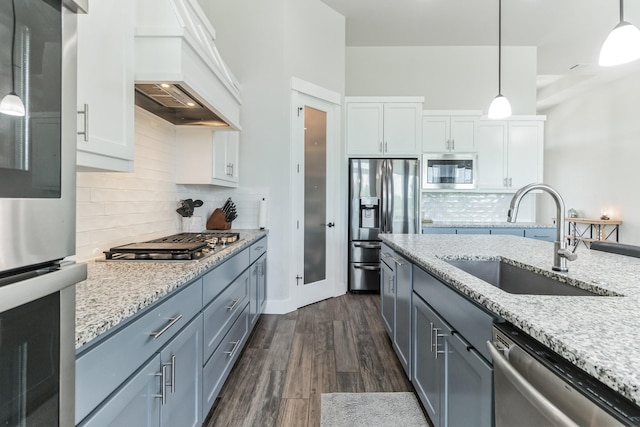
pixel 383 198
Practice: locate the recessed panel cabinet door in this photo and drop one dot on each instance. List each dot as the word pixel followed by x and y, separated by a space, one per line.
pixel 182 362
pixel 428 365
pixel 387 300
pixel 365 128
pixel 137 403
pixel 469 385
pixel 106 86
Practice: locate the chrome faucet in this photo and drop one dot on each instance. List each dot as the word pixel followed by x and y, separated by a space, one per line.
pixel 560 252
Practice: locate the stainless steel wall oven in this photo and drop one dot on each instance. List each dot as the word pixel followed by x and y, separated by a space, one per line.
pixel 37 211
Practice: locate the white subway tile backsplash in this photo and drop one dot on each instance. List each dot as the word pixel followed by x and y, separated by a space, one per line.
pixel 474 207
pixel 118 208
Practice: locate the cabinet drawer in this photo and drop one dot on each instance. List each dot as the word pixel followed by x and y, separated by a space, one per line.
pixel 218 367
pixel 546 234
pixel 221 313
pixel 470 320
pixel 257 249
pixel 217 280
pixel 103 368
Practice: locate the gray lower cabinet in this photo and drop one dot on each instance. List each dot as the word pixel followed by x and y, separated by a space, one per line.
pixel 508 231
pixel 469 384
pixel 137 403
pixel 428 369
pixel 473 230
pixel 164 392
pixel 451 371
pixel 452 380
pixel 181 362
pixel 546 234
pixel 166 365
pixel 396 294
pixel 387 295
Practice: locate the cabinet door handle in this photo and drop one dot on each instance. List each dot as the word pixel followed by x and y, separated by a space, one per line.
pixel 453 144
pixel 386 147
pixel 437 336
pixel 258 248
pixel 233 349
pixel 163 380
pixel 431 337
pixel 504 182
pixel 173 374
pixel 510 182
pixel 233 305
pixel 380 147
pixel 172 322
pixel 399 263
pixel 85 113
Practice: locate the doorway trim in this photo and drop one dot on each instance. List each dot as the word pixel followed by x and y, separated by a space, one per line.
pixel 336 240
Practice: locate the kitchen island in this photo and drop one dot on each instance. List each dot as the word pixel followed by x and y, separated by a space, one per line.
pixel 599 334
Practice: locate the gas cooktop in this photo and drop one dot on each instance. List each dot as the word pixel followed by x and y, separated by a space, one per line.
pixel 177 247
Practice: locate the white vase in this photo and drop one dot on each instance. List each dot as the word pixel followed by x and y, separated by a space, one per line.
pixel 191 224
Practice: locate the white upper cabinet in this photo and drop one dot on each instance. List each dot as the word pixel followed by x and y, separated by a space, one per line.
pixel 383 126
pixel 443 132
pixel 207 157
pixel 106 86
pixel 510 153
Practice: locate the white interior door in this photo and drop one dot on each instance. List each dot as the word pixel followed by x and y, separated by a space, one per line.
pixel 316 250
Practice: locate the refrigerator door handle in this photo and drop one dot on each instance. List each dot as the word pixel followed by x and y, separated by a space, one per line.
pixel 389 196
pixel 383 204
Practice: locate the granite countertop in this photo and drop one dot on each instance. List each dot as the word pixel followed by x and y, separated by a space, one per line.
pixel 116 290
pixel 599 334
pixel 478 224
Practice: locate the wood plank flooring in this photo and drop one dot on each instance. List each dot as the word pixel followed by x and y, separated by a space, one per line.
pixel 337 345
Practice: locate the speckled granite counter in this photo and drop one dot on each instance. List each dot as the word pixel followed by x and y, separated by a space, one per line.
pixel 116 290
pixel 600 334
pixel 473 224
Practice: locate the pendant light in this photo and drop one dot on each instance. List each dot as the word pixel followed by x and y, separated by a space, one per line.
pixel 622 45
pixel 11 104
pixel 500 107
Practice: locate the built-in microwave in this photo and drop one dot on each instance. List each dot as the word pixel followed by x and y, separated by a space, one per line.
pixel 449 171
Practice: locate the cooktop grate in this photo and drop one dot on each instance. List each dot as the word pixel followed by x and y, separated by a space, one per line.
pixel 177 247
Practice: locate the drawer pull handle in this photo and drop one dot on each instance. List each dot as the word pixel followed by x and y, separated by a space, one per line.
pixel 366 246
pixel 258 248
pixel 233 349
pixel 367 267
pixel 172 322
pixel 232 306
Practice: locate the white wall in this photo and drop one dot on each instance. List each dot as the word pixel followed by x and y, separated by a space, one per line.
pixel 451 77
pixel 592 152
pixel 266 43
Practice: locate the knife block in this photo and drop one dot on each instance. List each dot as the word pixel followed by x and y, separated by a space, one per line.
pixel 218 221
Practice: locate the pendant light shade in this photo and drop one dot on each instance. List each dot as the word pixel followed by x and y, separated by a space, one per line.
pixel 500 107
pixel 11 104
pixel 622 45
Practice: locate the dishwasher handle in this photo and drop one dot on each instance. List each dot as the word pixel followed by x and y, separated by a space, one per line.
pixel 537 399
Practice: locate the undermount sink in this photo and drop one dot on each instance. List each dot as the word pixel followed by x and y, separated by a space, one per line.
pixel 516 280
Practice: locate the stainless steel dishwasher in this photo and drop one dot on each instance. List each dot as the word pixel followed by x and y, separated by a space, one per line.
pixel 533 386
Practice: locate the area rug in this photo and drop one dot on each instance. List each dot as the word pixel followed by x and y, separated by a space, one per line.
pixel 370 409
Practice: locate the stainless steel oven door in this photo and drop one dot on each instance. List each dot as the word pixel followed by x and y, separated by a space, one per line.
pixel 37 347
pixel 37 151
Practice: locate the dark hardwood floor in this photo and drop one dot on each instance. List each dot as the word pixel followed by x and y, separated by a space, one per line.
pixel 337 345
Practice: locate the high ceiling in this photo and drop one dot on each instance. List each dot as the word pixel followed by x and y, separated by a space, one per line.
pixel 566 32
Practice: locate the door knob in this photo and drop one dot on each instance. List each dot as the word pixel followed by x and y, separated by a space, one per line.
pixel 331 224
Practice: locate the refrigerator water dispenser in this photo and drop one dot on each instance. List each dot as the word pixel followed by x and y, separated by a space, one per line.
pixel 369 212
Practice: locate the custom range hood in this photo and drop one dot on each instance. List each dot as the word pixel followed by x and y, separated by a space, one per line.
pixel 179 74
